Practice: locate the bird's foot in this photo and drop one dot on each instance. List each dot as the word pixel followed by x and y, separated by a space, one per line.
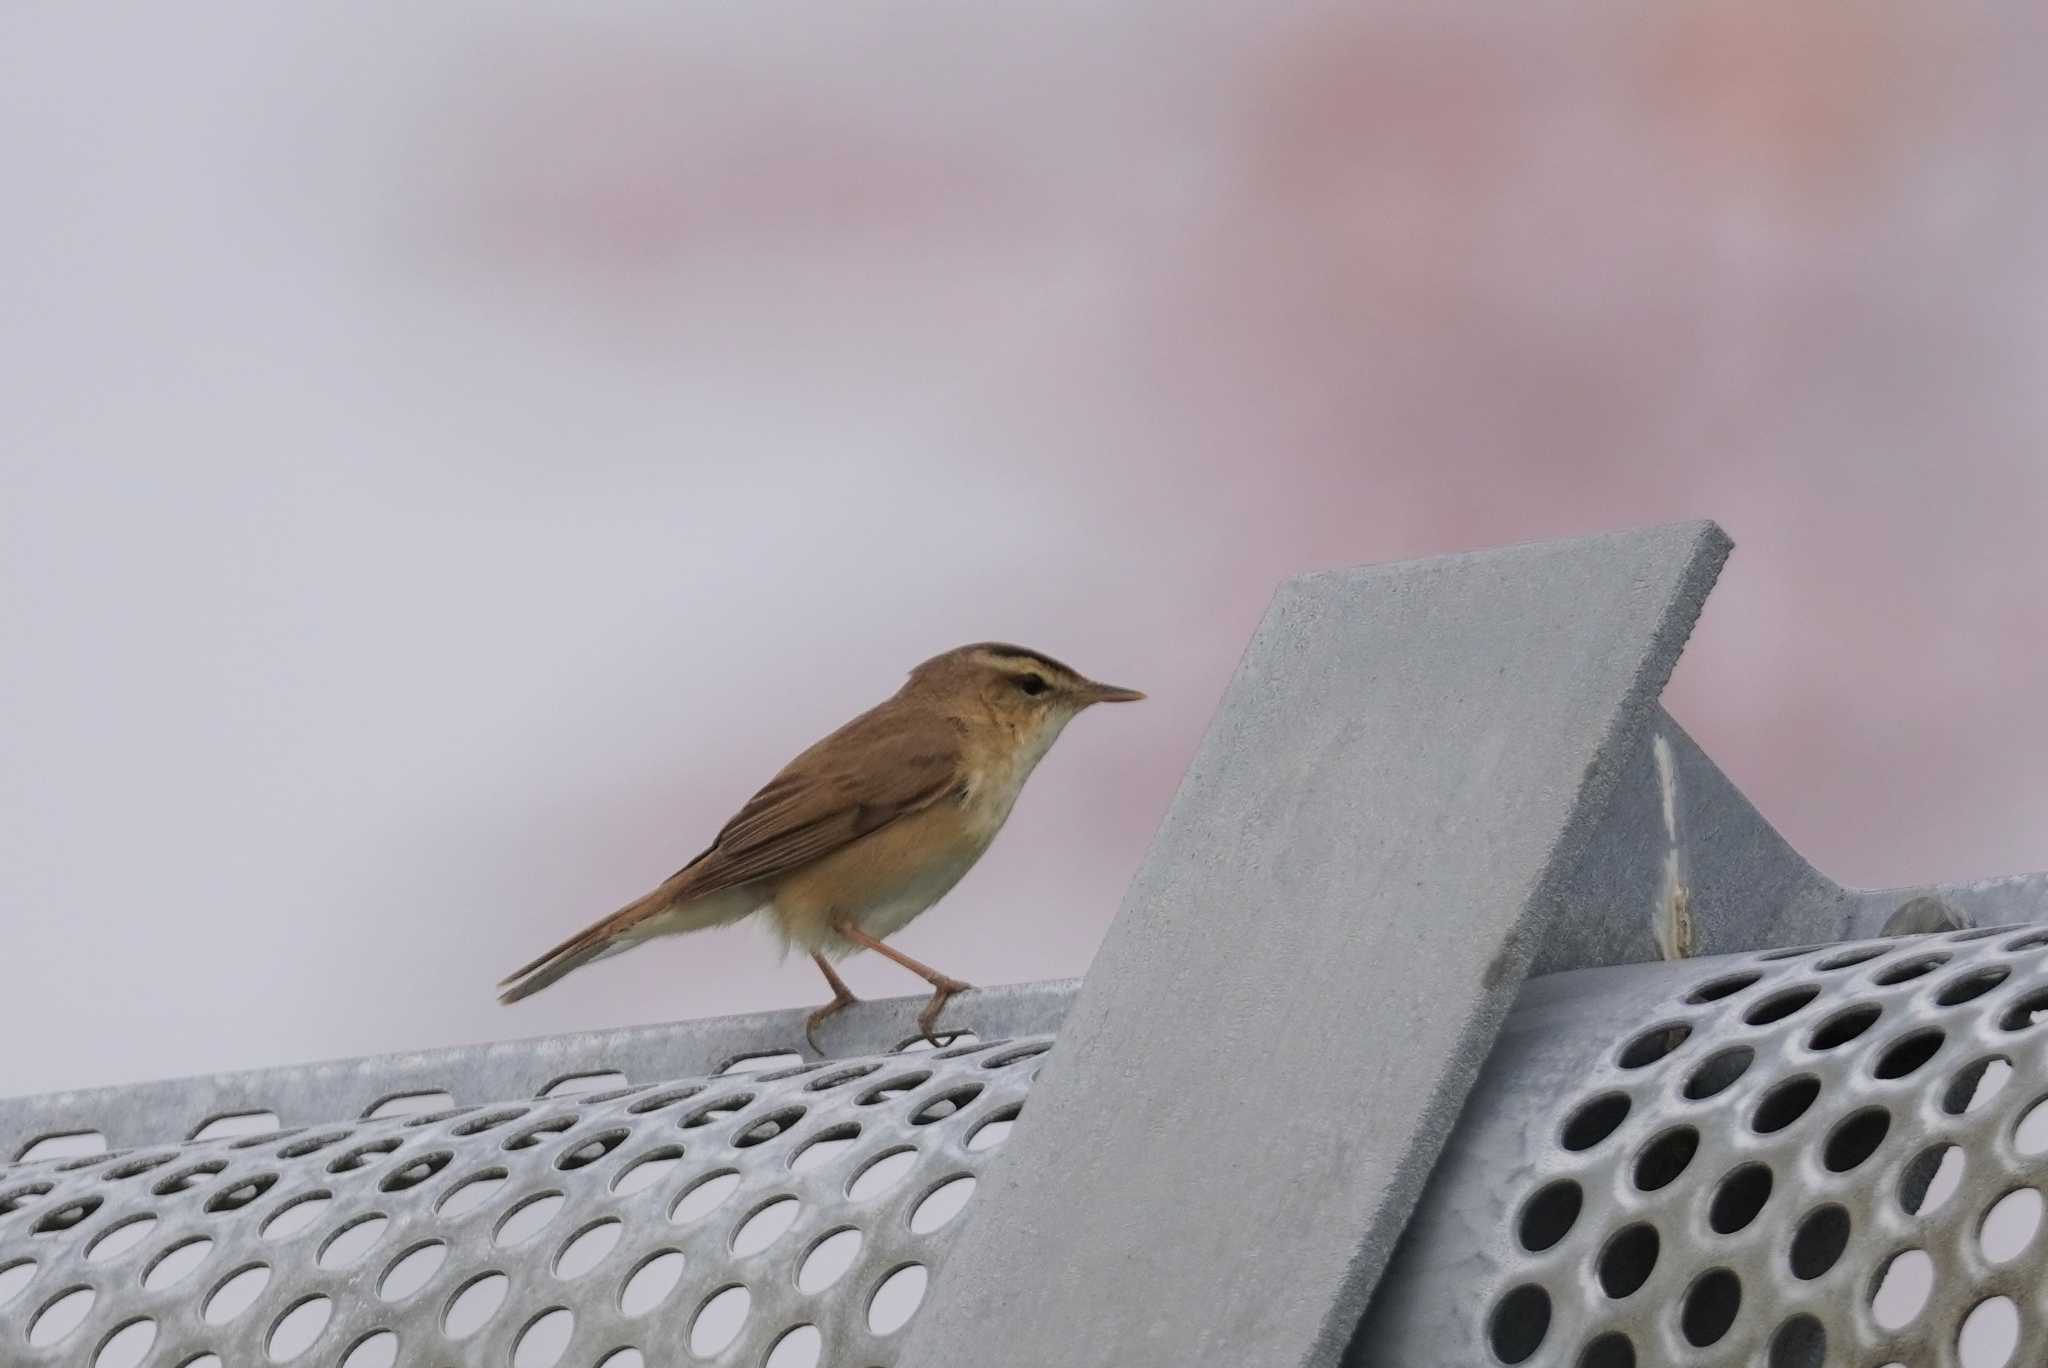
pixel 840 1001
pixel 943 990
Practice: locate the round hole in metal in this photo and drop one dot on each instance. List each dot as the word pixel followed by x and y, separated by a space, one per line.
pixel 1818 1243
pixel 1844 1026
pixel 1627 1260
pixel 587 1150
pixel 1740 1196
pixel 719 1320
pixel 1801 1342
pixel 764 1226
pixel 1612 1350
pixel 824 1147
pixel 61 1315
pixel 1905 1055
pixel 1710 1307
pixel 527 1219
pixel 587 1248
pixel 1548 1216
pixel 704 1196
pixel 1665 1157
pixel 175 1263
pixel 1902 1289
pixel 296 1215
pixel 942 1204
pixel 471 1192
pixel 544 1339
pixel 474 1303
pixel 1855 1139
pixel 1989 1334
pixel 828 1260
pixel 298 1329
pixel 1784 1104
pixel 353 1240
pixel 993 1131
pixel 1780 1005
pixel 1718 1072
pixel 1728 985
pixel 1652 1045
pixel 881 1174
pixel 236 1293
pixel 2024 1011
pixel 415 1171
pixel 1930 1179
pixel 1906 970
pixel 647 1170
pixel 801 1347
pixel 1971 985
pixel 2030 1136
pixel 412 1270
pixel 1594 1120
pixel 118 1239
pixel 378 1349
pixel 1519 1322
pixel 770 1127
pixel 2009 1226
pixel 649 1284
pixel 128 1346
pixel 896 1300
pixel 1975 1084
pixel 15 1276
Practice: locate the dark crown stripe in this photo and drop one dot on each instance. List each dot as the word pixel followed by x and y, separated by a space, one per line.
pixel 1005 651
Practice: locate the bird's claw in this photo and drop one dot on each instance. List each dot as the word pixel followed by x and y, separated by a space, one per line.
pixel 928 1019
pixel 819 1017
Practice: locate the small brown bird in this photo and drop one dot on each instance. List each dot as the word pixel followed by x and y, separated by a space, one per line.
pixel 869 827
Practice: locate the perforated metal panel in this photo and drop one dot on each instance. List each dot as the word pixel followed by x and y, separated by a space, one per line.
pixel 1831 1156
pixel 786 1217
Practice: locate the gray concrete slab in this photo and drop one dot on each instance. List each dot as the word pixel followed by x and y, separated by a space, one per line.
pixel 1403 778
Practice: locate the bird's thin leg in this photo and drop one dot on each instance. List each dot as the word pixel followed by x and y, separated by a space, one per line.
pixel 842 996
pixel 943 988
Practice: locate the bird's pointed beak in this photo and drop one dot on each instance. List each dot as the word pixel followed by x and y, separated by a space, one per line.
pixel 1110 693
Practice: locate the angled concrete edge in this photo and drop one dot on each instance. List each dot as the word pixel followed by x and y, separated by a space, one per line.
pixel 1403 778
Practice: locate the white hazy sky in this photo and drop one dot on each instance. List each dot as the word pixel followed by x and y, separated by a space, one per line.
pixel 449 458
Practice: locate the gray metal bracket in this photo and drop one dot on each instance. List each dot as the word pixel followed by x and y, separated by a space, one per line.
pixel 1682 865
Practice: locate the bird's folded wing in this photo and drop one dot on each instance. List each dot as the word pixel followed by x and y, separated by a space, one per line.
pixel 877 768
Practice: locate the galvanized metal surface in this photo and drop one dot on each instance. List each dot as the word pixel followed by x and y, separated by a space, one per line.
pixel 788 1217
pixel 1682 864
pixel 1781 1160
pixel 347 1089
pixel 1546 1184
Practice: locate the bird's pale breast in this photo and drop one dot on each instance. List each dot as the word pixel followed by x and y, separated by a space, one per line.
pixel 886 879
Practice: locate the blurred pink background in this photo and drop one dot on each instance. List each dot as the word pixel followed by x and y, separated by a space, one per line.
pixel 451 456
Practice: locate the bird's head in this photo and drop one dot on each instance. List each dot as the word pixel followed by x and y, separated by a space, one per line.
pixel 1027 692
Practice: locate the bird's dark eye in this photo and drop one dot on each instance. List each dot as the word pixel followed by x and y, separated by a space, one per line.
pixel 1032 684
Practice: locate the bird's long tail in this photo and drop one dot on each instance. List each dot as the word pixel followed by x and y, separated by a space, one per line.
pixel 661 912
